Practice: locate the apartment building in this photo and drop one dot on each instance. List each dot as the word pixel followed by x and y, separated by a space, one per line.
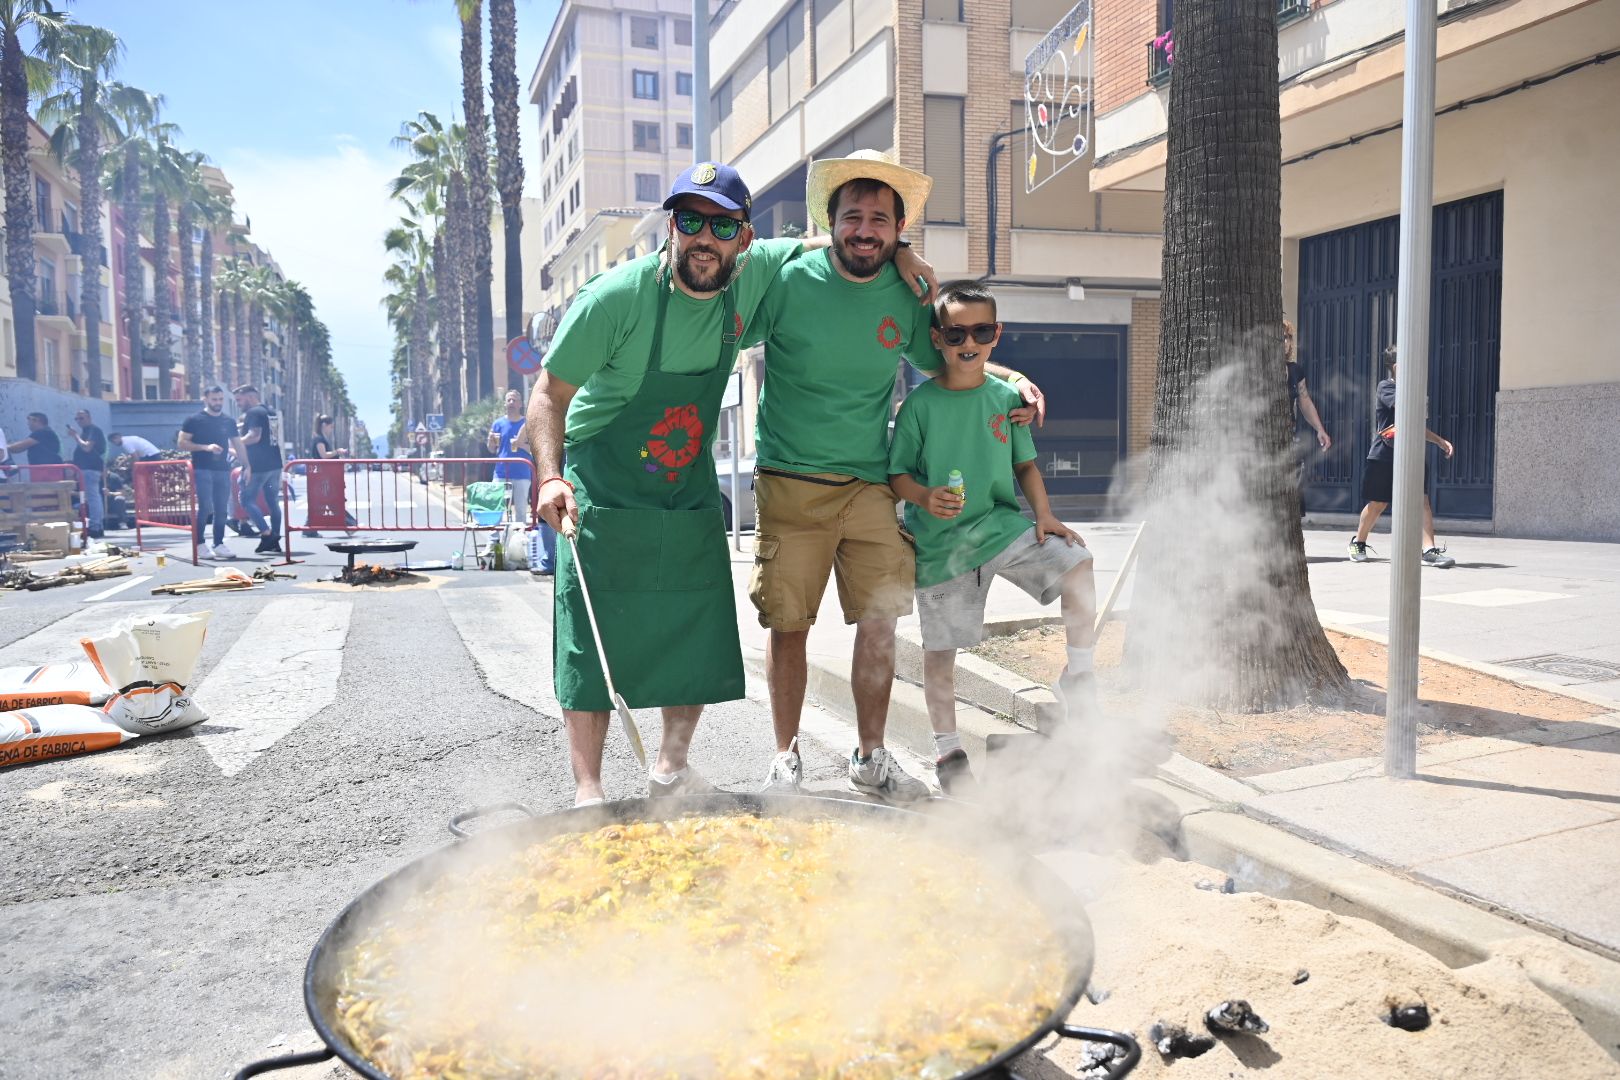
pixel 1524 353
pixel 940 83
pixel 62 256
pixel 613 88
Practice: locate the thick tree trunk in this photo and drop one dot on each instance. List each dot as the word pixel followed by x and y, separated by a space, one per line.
pixel 191 331
pixel 245 354
pixel 19 201
pixel 162 301
pixel 1222 612
pixel 472 104
pixel 503 89
pixel 447 299
pixel 205 309
pixel 256 343
pixel 422 349
pixel 89 166
pixel 461 253
pixel 134 302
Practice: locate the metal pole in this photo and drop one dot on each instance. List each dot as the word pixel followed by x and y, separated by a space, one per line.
pixel 1411 394
pixel 700 80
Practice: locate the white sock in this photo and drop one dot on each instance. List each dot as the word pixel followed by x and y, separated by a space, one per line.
pixel 1079 661
pixel 945 742
pixel 663 778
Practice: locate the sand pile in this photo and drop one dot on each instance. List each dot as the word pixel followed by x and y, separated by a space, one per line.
pixel 1168 951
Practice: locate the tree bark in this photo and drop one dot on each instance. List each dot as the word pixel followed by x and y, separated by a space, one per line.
pixel 461 253
pixel 19 182
pixel 134 279
pixel 89 166
pixel 503 87
pixel 191 334
pixel 1222 612
pixel 447 299
pixel 472 105
pixel 162 299
pixel 227 341
pixel 205 308
pixel 422 349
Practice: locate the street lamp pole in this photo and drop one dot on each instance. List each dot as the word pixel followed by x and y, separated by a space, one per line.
pixel 1411 389
pixel 700 80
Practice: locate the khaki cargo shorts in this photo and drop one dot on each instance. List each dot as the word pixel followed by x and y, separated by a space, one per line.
pixel 815 524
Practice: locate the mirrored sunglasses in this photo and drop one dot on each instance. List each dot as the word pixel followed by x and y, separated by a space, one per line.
pixel 983 334
pixel 690 222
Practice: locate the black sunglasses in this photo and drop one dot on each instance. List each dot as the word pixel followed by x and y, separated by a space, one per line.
pixel 690 222
pixel 983 333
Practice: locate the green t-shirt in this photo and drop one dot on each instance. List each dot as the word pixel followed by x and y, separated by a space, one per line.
pixel 603 343
pixel 831 352
pixel 939 430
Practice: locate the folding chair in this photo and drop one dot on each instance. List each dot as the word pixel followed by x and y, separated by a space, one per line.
pixel 488 504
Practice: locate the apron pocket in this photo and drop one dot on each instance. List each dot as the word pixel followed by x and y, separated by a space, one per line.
pixel 695 554
pixel 653 550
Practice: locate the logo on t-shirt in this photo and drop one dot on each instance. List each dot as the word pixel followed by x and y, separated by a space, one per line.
pixel 675 442
pixel 888 332
pixel 998 424
pixel 737 325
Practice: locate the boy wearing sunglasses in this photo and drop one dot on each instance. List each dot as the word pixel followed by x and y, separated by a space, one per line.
pixel 957 423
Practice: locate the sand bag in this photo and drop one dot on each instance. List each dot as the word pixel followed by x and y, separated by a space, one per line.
pixel 73 683
pixel 149 662
pixel 29 735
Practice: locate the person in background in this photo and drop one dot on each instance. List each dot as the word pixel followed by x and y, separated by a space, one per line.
pixel 90 455
pixel 261 472
pixel 321 447
pixel 5 458
pixel 209 436
pixel 42 445
pixel 953 428
pixel 136 447
pixel 516 468
pixel 1378 479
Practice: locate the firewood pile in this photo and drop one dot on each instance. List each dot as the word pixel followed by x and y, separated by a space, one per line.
pixel 21 578
pixel 225 579
pixel 373 574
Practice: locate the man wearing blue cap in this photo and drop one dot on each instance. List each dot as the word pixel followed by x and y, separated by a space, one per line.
pixel 631 390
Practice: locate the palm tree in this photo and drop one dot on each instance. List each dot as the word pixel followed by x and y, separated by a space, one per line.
pixel 88 113
pixel 166 183
pixel 20 76
pixel 409 309
pixel 213 209
pixel 477 124
pixel 192 198
pixel 503 88
pixel 226 280
pixel 123 170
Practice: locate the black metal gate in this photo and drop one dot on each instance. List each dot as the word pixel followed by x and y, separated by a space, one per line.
pixel 1347 287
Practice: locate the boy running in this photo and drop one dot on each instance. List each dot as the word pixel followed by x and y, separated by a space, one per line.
pixel 958 423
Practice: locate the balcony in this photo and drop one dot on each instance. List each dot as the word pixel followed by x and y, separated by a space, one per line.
pixel 1159 50
pixel 49 309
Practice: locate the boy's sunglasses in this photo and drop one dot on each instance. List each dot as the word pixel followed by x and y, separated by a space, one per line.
pixel 983 334
pixel 690 222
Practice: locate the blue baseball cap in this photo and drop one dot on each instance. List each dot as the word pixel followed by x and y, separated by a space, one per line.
pixel 718 183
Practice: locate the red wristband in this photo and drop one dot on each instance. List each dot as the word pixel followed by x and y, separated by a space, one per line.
pixel 549 479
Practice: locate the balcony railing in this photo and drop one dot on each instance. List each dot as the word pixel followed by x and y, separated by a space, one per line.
pixel 1158 62
pixel 47 305
pixel 1289 10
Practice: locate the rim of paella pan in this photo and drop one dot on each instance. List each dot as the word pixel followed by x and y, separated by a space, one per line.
pixel 1041 885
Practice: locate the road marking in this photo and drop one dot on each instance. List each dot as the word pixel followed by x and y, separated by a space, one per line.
pixel 59 642
pixel 1498 597
pixel 510 642
pixel 1347 618
pixel 120 587
pixel 281 671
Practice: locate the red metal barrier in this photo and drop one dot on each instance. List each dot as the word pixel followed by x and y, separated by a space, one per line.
pixel 166 498
pixel 46 474
pixel 385 494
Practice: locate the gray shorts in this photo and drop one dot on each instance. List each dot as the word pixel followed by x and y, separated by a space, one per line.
pixel 952 612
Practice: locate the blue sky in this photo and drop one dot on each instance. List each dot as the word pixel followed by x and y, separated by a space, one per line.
pixel 297 100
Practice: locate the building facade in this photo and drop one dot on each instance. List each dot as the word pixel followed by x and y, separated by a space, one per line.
pixel 940 83
pixel 1524 351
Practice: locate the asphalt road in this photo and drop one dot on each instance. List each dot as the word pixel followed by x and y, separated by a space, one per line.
pixel 160 899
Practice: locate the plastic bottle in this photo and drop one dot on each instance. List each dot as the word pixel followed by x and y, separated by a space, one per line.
pixel 497 554
pixel 956 485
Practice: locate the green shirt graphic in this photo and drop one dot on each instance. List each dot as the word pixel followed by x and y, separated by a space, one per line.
pixel 832 348
pixel 603 343
pixel 939 430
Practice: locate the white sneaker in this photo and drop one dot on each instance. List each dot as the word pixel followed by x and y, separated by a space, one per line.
pixel 685 782
pixel 222 552
pixel 881 775
pixel 786 773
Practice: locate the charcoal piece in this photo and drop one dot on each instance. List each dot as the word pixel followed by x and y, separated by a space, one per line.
pixel 1174 1041
pixel 1097 995
pixel 1408 1017
pixel 1227 886
pixel 1235 1017
pixel 1096 1058
pixel 1301 976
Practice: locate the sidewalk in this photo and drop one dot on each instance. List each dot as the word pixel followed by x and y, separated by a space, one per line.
pixel 1525 825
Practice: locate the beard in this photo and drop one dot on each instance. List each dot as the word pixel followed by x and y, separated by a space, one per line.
pixel 864 266
pixel 703 280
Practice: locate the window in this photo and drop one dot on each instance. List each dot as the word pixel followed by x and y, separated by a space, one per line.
pixel 52 362
pixel 573 197
pixel 70 217
pixel 942 158
pixel 42 205
pixel 683 136
pixel 786 57
pixel 720 122
pixel 644 137
pixel 573 145
pixel 647 188
pixel 645 85
pixel 683 83
pixel 683 31
pixel 942 10
pixel 643 32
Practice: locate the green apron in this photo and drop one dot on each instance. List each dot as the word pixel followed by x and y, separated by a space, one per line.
pixel 652 539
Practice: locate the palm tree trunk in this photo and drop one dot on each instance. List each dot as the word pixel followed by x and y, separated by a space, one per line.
pixel 447 299
pixel 256 343
pixel 503 86
pixel 460 251
pixel 19 200
pixel 89 166
pixel 191 330
pixel 244 358
pixel 1242 633
pixel 162 298
pixel 472 106
pixel 134 279
pixel 422 348
pixel 227 341
pixel 205 308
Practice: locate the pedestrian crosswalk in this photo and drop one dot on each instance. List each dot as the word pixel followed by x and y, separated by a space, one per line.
pixel 509 640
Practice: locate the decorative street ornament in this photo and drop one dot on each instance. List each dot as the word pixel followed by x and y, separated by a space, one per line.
pixel 1057 98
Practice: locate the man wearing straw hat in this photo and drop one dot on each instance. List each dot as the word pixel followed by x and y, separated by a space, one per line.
pixel 632 387
pixel 835 324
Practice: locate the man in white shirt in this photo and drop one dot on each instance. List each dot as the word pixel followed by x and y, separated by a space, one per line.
pixel 139 448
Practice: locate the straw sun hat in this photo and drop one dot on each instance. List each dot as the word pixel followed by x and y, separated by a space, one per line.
pixel 829 174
